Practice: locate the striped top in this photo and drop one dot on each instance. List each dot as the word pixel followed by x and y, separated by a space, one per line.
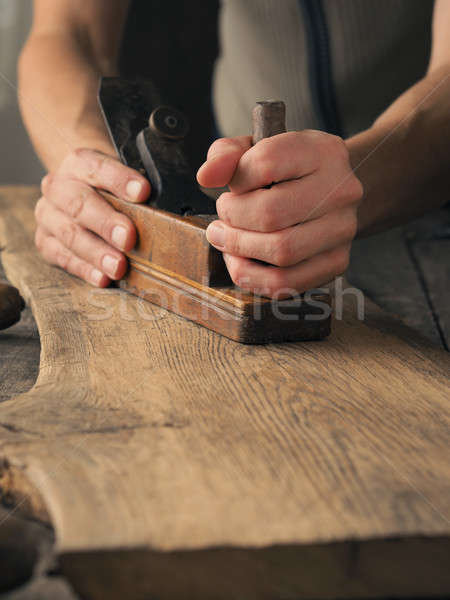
pixel 336 63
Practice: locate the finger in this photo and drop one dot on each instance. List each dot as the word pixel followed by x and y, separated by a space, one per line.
pixel 285 156
pixel 81 242
pixel 223 158
pixel 54 252
pixel 290 202
pixel 104 172
pixel 276 282
pixel 289 246
pixel 88 209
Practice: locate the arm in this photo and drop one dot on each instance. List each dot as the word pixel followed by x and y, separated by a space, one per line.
pixel 72 43
pixel 303 226
pixel 403 159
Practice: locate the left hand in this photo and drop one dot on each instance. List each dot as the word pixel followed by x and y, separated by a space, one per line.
pixel 302 226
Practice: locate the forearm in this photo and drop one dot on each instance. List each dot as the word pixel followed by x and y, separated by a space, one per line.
pixel 58 80
pixel 402 160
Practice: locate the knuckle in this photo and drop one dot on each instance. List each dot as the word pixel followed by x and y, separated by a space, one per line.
pixel 282 253
pixel 94 161
pixel 338 145
pixel 237 273
pixel 73 159
pixel 67 234
pixel 223 205
pixel 341 260
pixel 109 221
pixel 346 225
pixel 356 189
pixel 334 147
pixel 266 171
pixel 46 183
pixel 76 156
pixel 39 209
pixel 39 239
pixel 80 153
pixel 84 271
pixel 264 161
pixel 268 220
pixel 223 145
pixel 75 204
pixel 276 281
pixel 62 258
pixel 106 228
pixel 94 165
pixel 233 243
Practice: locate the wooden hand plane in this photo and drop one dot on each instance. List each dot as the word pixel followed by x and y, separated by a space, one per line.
pixel 172 264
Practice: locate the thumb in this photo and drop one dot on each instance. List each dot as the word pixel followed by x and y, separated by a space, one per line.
pixel 223 158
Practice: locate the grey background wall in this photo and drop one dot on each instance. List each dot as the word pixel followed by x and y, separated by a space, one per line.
pixel 18 162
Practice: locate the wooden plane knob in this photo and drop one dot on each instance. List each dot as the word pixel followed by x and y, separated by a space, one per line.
pixel 11 305
pixel 269 118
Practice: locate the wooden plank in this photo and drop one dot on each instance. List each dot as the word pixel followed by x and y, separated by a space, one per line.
pixel 433 257
pixel 381 265
pixel 175 463
pixel 429 246
pixel 19 351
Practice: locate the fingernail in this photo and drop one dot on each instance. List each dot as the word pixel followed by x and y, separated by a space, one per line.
pixel 201 168
pixel 119 236
pixel 210 160
pixel 96 276
pixel 133 190
pixel 110 264
pixel 215 234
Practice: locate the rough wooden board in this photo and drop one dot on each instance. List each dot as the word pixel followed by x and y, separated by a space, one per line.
pixel 381 265
pixel 431 255
pixel 155 446
pixel 429 247
pixel 406 271
pixel 19 356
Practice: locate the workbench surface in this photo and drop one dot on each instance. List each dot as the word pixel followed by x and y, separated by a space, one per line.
pixel 406 271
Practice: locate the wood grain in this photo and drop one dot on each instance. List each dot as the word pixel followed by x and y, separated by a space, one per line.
pixel 174 461
pixel 430 253
pixel 382 266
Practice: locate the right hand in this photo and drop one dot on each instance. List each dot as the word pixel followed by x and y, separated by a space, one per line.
pixel 77 229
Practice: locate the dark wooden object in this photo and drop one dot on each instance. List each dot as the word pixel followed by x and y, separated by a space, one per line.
pixel 269 118
pixel 174 266
pixel 11 305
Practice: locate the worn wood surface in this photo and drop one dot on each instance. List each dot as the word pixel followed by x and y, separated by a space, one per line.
pixel 19 357
pixel 185 465
pixel 407 271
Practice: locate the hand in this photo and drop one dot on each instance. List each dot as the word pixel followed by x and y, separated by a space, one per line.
pixel 77 229
pixel 292 204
